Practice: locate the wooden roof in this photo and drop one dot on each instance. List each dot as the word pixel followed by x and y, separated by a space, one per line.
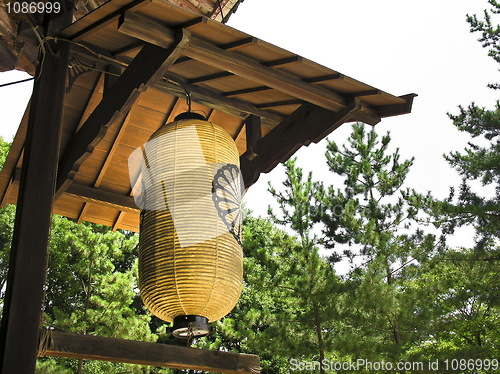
pixel 132 63
pixel 19 45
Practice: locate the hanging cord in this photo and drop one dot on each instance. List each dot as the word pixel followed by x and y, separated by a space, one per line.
pixel 188 100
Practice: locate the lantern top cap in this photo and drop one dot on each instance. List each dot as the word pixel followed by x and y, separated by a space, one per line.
pixel 189 115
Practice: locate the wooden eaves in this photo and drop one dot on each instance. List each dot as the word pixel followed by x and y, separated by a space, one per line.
pixel 130 65
pixel 140 58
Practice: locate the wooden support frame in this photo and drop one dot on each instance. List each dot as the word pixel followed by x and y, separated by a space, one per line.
pixel 232 106
pixel 145 70
pixel 28 256
pixel 89 347
pixel 254 135
pixel 143 28
pixel 291 134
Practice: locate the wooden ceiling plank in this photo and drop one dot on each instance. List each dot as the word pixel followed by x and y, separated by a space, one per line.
pixel 366 93
pixel 194 23
pixel 228 47
pixel 324 78
pixel 234 107
pixel 246 91
pixel 397 109
pixel 145 70
pixel 136 46
pixel 253 134
pixel 283 61
pixel 307 124
pixel 225 74
pixel 279 103
pixel 91 347
pixel 210 77
pixel 94 100
pixel 152 32
pixel 107 162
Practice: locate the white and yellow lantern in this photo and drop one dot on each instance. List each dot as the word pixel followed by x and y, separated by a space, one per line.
pixel 190 255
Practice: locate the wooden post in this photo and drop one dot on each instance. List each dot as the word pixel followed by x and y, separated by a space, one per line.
pixel 28 256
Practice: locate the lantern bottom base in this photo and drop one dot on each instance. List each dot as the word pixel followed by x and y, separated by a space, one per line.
pixel 190 326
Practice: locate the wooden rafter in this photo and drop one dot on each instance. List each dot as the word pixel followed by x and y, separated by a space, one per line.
pixel 295 131
pixel 214 100
pixel 155 33
pixel 253 134
pixel 145 70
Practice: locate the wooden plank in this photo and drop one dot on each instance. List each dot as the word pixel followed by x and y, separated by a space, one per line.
pixel 254 134
pixel 90 347
pixel 107 162
pixel 244 91
pixel 280 103
pixel 104 15
pixel 101 197
pixel 307 124
pixel 28 256
pixel 145 70
pixel 94 100
pixel 397 109
pixel 235 107
pixel 152 32
pixel 225 74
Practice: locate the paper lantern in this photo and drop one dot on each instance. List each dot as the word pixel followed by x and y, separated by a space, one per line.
pixel 190 255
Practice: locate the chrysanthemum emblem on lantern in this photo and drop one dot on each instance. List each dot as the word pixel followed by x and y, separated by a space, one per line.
pixel 190 255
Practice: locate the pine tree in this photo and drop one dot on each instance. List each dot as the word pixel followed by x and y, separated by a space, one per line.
pixel 373 218
pixel 481 159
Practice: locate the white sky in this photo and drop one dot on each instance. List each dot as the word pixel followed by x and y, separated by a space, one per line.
pixel 398 46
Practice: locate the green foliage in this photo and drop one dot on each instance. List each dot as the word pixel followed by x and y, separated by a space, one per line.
pixel 91 288
pixel 479 161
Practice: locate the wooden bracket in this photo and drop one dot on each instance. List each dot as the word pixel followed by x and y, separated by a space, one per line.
pixel 254 134
pixel 145 70
pixel 307 124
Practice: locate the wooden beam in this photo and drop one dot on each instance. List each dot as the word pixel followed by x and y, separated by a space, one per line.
pixel 244 91
pixel 90 347
pixel 28 256
pixel 397 109
pixel 102 197
pixel 105 166
pixel 280 103
pixel 145 70
pixel 204 96
pixel 145 29
pixel 108 18
pixel 324 78
pixel 254 134
pixel 307 124
pixel 95 195
pixel 225 74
